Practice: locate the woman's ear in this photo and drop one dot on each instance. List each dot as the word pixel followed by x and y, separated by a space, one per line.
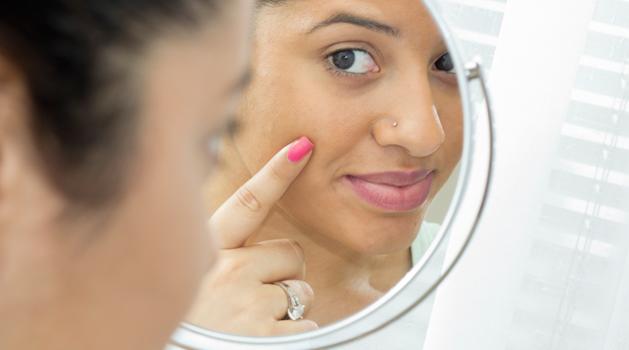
pixel 23 183
pixel 15 145
pixel 4 114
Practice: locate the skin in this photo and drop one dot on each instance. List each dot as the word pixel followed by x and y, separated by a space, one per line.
pixel 352 251
pixel 125 278
pixel 252 268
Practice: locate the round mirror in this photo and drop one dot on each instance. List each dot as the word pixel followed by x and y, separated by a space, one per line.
pixel 379 89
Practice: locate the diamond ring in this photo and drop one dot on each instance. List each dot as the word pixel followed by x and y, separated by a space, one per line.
pixel 295 307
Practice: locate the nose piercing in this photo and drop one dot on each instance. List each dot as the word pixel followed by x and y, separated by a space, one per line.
pixel 435 112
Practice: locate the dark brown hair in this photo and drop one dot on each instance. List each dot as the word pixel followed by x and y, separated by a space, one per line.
pixel 78 59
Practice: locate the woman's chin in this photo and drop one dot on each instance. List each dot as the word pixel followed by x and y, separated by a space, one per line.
pixel 382 242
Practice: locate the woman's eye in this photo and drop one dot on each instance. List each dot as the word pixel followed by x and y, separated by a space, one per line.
pixel 214 149
pixel 445 64
pixel 353 61
pixel 214 143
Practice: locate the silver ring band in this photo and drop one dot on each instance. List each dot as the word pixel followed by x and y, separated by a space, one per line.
pixel 295 307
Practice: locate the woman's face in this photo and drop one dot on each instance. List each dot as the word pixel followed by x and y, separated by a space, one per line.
pixel 127 280
pixel 360 78
pixel 192 85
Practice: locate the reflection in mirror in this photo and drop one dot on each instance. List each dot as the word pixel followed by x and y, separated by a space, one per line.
pixel 371 85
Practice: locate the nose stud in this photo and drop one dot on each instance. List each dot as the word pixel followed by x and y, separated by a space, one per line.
pixel 435 113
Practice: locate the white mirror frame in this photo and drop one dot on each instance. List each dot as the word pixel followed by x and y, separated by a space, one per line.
pixel 410 291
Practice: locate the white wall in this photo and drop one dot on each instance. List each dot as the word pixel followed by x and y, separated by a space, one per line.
pixel 549 266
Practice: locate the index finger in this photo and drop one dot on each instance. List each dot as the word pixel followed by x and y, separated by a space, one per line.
pixel 246 209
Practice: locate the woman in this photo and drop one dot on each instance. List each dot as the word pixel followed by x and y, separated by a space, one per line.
pixel 106 111
pixel 371 83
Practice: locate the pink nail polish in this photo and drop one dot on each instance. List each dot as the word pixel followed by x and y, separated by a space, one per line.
pixel 300 150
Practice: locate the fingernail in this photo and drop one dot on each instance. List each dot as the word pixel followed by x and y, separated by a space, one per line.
pixel 300 150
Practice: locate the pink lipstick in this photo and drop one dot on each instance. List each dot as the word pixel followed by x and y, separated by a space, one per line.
pixel 392 191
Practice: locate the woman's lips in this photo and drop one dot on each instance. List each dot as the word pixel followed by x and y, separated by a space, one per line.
pixel 393 191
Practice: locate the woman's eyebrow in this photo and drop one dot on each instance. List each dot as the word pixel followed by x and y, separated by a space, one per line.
pixel 348 18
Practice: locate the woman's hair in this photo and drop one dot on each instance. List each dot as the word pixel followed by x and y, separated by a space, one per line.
pixel 79 60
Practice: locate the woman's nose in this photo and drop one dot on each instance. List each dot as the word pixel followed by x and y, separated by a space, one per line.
pixel 416 128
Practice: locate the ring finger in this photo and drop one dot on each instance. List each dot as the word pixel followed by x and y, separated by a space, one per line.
pixel 280 300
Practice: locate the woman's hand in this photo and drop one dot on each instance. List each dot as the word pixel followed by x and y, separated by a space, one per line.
pixel 239 296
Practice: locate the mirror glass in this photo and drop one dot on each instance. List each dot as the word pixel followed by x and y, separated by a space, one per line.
pixel 372 85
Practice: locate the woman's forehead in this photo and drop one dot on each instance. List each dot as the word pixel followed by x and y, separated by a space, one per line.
pixel 406 20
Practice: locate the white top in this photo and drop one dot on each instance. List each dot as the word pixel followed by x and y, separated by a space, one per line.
pixel 409 332
pixel 427 233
